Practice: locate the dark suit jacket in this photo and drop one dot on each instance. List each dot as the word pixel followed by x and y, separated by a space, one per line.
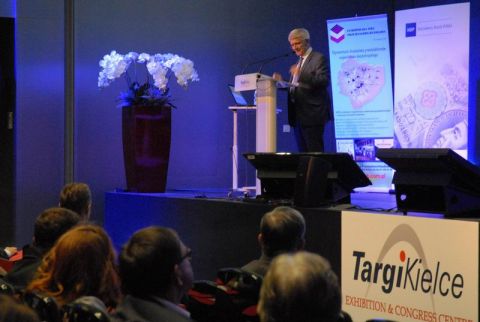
pixel 309 104
pixel 258 266
pixel 143 310
pixel 24 270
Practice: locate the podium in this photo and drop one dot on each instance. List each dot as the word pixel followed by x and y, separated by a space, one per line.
pixel 266 120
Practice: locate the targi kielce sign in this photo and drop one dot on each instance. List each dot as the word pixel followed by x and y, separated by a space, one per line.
pixel 409 268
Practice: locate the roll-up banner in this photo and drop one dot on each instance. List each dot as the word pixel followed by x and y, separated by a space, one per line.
pixel 362 92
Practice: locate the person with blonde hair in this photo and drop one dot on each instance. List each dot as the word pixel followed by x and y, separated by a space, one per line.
pixel 81 263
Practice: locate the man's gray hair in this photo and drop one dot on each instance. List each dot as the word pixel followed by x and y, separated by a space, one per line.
pixel 301 33
pixel 300 287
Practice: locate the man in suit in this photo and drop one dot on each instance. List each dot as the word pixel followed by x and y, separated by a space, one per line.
pixel 282 230
pixel 309 102
pixel 156 273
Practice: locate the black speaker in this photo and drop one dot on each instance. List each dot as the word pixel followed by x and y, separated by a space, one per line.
pixel 307 179
pixel 313 187
pixel 434 181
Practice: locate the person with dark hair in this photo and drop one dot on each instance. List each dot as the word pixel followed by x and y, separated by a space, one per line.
pixel 300 287
pixel 281 230
pixel 77 197
pixel 81 263
pixel 156 273
pixel 49 226
pixel 13 311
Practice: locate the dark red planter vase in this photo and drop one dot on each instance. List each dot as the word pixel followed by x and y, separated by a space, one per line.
pixel 146 134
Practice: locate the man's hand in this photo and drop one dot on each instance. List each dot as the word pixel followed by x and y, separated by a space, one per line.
pixel 277 77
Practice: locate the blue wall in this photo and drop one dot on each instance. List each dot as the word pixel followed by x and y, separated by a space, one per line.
pixel 7 8
pixel 219 36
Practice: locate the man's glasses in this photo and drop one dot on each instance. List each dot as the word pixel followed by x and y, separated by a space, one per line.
pixel 188 255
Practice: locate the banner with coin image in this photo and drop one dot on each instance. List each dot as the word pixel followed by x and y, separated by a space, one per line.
pixel 362 92
pixel 431 77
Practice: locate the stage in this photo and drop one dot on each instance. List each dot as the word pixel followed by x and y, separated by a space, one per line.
pixel 221 229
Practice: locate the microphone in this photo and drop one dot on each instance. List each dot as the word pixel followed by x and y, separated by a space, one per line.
pixel 263 62
pixel 272 59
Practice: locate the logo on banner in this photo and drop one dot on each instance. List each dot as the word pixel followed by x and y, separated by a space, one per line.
pixel 337 33
pixel 411 272
pixel 411 29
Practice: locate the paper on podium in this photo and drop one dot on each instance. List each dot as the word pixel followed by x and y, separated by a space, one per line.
pixel 284 84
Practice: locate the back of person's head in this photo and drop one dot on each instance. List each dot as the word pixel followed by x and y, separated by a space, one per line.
pixel 13 311
pixel 51 224
pixel 300 33
pixel 300 287
pixel 76 196
pixel 82 262
pixel 148 261
pixel 282 230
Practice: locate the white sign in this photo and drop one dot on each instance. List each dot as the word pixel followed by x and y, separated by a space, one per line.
pixel 246 82
pixel 409 268
pixel 431 77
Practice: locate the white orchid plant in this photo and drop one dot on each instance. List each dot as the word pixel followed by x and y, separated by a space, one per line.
pixel 160 68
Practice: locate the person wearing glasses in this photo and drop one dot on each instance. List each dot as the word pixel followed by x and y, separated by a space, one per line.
pixel 156 273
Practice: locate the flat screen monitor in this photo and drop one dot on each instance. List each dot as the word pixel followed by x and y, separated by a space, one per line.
pixel 309 179
pixel 434 181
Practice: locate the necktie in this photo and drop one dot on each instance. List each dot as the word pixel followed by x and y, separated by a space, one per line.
pixel 297 74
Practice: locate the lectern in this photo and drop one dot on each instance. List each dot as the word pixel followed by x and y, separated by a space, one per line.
pixel 266 121
pixel 266 102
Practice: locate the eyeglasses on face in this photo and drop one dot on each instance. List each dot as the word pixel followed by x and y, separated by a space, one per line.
pixel 188 255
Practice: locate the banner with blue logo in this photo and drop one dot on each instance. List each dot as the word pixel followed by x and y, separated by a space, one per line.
pixel 431 77
pixel 362 92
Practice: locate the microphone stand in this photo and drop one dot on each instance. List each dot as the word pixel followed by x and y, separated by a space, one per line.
pixel 263 62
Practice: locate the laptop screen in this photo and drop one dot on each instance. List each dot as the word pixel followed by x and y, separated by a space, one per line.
pixel 238 97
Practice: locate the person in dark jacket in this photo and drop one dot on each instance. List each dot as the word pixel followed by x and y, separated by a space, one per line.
pixel 282 230
pixel 49 226
pixel 309 103
pixel 156 273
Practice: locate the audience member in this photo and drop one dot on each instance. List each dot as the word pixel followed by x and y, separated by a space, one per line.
pixel 81 263
pixel 76 196
pixel 156 272
pixel 13 311
pixel 300 287
pixel 282 230
pixel 48 227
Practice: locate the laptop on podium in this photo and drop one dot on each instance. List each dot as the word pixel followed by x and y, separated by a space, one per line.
pixel 238 97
